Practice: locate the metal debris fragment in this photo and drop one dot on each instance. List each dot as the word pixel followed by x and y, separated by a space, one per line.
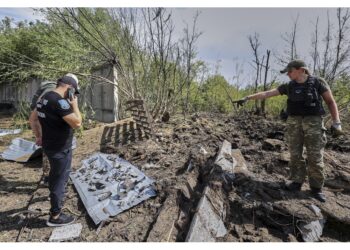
pixel 203 151
pixel 315 209
pixel 312 231
pixel 9 131
pixel 21 150
pixel 189 166
pixel 150 166
pixel 104 196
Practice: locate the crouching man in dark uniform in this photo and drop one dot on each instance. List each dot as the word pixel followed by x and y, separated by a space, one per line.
pixel 58 116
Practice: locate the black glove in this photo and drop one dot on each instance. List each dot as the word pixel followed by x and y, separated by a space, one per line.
pixel 242 101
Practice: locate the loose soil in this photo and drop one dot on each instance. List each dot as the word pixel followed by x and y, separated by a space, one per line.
pixel 180 157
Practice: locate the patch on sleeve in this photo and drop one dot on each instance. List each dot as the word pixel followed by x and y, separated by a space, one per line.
pixel 64 104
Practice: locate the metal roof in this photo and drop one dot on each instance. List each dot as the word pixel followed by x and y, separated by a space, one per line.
pixel 21 150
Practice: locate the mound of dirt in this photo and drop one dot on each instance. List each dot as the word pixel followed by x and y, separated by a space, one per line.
pixel 180 158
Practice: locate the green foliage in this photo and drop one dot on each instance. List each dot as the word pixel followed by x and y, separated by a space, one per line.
pixel 341 91
pixel 275 104
pixel 216 93
pixel 20 45
pixel 212 96
pixel 45 50
pixel 77 40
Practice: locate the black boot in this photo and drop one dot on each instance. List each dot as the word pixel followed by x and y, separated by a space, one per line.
pixel 294 186
pixel 317 194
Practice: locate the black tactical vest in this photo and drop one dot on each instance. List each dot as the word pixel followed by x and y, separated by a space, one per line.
pixel 304 99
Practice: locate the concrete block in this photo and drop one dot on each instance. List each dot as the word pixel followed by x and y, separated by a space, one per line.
pixel 237 155
pixel 224 159
pixel 207 224
pixel 272 144
pixel 65 233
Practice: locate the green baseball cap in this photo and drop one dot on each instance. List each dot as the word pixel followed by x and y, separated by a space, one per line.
pixel 50 85
pixel 296 64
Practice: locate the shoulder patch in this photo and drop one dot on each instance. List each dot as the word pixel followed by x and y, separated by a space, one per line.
pixel 64 104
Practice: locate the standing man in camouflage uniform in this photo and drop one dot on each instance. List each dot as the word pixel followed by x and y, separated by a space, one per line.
pixel 305 124
pixel 44 87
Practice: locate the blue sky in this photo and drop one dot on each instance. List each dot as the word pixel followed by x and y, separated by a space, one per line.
pixel 224 40
pixel 18 13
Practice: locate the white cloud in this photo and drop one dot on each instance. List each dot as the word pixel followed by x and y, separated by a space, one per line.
pixel 19 14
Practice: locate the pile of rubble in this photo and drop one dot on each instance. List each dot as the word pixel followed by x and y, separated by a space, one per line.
pixel 213 178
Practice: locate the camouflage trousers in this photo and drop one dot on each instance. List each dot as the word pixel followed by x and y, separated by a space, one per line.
pixel 307 131
pixel 46 165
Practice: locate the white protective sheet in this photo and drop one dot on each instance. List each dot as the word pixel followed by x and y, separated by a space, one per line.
pixel 109 185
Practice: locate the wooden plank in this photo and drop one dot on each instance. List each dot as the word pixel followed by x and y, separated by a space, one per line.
pixel 134 102
pixel 143 125
pixel 142 122
pixel 138 110
pixel 142 117
pixel 133 107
